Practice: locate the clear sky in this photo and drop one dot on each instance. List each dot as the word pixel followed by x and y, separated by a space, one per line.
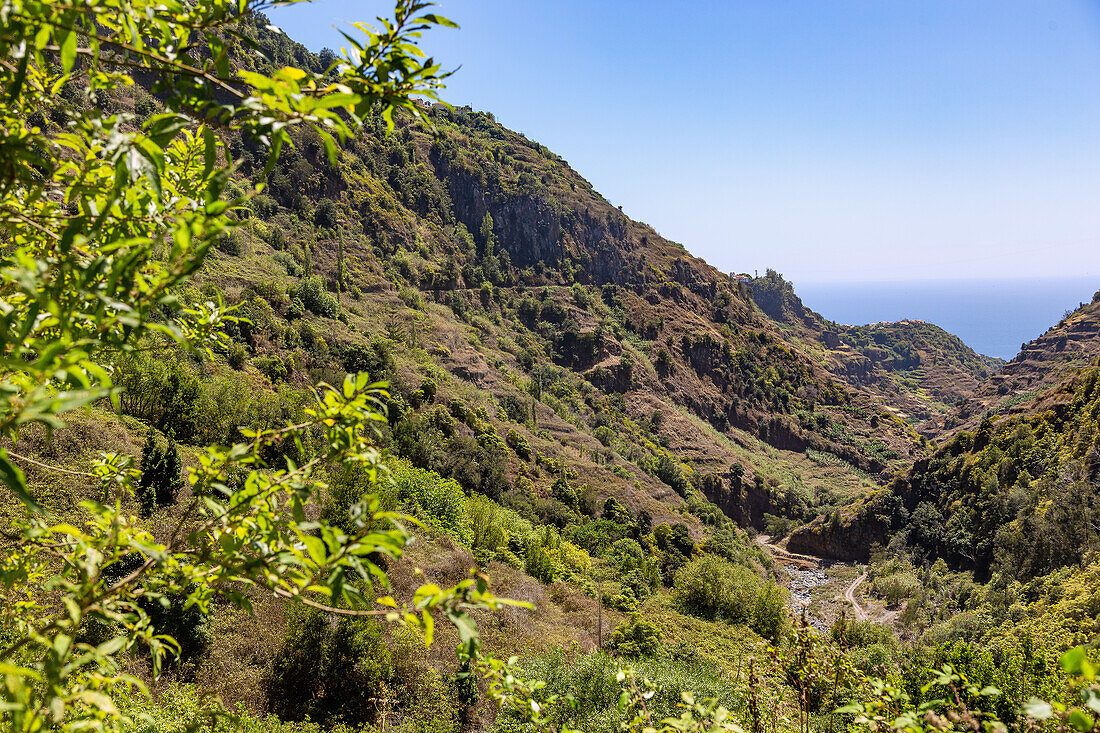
pixel 833 141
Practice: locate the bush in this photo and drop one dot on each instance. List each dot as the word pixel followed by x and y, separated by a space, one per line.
pixel 237 355
pixel 316 298
pixel 590 680
pixel 635 638
pixel 669 470
pixel 715 589
pixel 487 533
pixel 515 408
pixel 897 587
pixel 411 298
pixel 439 501
pixel 375 358
pixel 563 492
pixel 326 215
pixel 229 243
pixel 604 434
pixel 161 475
pixel 271 367
pixel 328 671
pixel 519 444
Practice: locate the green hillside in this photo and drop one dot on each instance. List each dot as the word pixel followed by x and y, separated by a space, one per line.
pixel 320 403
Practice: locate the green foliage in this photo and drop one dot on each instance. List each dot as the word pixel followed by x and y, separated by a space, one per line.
pixel 329 670
pixel 311 291
pixel 592 692
pixel 438 501
pixel 635 637
pixel 713 588
pixel 271 366
pixel 519 444
pixel 488 535
pixel 105 217
pixel 1019 495
pixel 161 475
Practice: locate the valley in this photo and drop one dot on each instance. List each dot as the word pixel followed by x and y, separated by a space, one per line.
pixel 329 407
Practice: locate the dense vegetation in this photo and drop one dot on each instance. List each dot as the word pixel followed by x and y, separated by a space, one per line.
pixel 526 385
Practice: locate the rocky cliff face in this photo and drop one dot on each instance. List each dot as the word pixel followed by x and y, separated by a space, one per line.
pixel 851 533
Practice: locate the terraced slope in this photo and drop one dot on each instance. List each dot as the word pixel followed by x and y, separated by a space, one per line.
pixel 915 368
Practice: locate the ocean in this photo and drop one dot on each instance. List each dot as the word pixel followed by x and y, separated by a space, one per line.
pixel 993 317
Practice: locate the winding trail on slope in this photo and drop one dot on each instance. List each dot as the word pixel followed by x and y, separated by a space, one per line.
pixel 850 596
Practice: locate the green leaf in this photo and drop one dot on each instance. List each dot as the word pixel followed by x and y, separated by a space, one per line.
pixel 16 480
pixel 1091 696
pixel 1076 661
pixel 1080 720
pixel 316 548
pixel 1038 709
pixel 438 20
pixel 68 51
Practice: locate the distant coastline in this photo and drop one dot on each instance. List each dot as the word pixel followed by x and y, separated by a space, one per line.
pixel 993 317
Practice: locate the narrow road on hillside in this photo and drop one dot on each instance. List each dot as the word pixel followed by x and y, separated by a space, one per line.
pixel 783 555
pixel 850 596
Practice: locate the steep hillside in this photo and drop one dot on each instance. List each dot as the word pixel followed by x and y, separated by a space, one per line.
pixel 916 368
pixel 1042 364
pixel 478 259
pixel 572 400
pixel 1015 485
pixel 1020 494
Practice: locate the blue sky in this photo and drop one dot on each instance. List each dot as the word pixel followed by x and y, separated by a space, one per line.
pixel 833 141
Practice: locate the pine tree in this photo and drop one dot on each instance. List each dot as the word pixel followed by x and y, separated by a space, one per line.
pixel 161 475
pixel 171 480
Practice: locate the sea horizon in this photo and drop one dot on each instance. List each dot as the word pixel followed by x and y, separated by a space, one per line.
pixel 993 316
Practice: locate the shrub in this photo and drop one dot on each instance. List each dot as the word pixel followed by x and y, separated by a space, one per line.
pixel 439 501
pixel 264 206
pixel 161 475
pixel 328 671
pixel 715 589
pixel 897 587
pixel 538 564
pixel 519 444
pixel 635 638
pixel 599 535
pixel 487 533
pixel 374 357
pixel 614 511
pixel 327 214
pixel 271 367
pixel 237 355
pixel 604 434
pixel 563 492
pixel 229 243
pixel 411 298
pixel 515 408
pixel 669 470
pixel 316 298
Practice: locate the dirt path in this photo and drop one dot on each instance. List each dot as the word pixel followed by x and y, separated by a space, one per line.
pixel 807 572
pixel 850 596
pixel 788 558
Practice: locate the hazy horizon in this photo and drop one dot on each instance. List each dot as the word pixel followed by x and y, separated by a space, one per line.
pixel 993 316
